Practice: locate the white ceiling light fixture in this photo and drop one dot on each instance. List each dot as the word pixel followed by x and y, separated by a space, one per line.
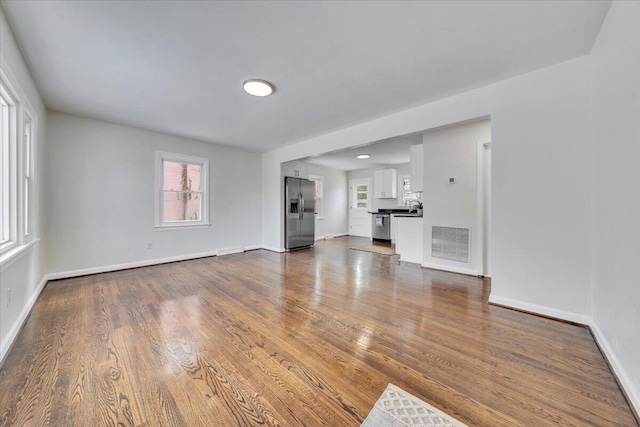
pixel 257 87
pixel 363 156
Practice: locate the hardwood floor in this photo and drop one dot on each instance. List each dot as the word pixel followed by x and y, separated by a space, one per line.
pixel 306 338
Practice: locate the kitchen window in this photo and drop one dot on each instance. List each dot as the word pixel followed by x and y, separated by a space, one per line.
pixel 404 189
pixel 318 181
pixel 182 199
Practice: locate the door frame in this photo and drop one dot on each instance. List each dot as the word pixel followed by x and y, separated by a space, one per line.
pixel 481 146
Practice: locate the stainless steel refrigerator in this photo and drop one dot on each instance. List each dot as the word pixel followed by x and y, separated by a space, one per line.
pixel 299 220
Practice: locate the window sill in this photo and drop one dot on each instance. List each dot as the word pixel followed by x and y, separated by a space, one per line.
pixel 10 257
pixel 181 227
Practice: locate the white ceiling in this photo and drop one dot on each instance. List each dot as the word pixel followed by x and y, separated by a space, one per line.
pixel 392 151
pixel 177 67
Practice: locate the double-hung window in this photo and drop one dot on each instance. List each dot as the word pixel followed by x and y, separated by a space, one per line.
pixel 182 198
pixel 7 170
pixel 17 139
pixel 28 172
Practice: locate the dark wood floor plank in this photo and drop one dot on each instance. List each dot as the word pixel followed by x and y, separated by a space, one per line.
pixel 533 389
pixel 305 338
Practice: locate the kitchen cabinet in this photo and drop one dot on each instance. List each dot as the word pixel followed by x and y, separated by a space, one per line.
pixel 296 169
pixel 394 227
pixel 416 162
pixel 385 185
pixel 409 238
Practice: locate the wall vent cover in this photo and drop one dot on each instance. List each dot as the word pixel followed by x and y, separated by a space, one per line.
pixel 450 243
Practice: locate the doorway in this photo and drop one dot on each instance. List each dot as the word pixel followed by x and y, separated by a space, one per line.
pixel 484 206
pixel 359 207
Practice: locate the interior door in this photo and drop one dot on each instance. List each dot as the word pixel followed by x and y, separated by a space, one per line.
pixel 359 207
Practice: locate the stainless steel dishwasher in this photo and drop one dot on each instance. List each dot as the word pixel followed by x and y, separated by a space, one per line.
pixel 381 226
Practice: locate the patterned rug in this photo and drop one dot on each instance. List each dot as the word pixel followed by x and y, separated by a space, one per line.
pixel 397 408
pixel 384 250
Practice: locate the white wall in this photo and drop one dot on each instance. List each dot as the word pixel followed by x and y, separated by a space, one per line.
pixel 451 152
pixel 542 191
pixel 541 180
pixel 616 142
pixel 24 276
pixel 102 196
pixel 370 173
pixel 335 209
pixel 565 147
pixel 564 208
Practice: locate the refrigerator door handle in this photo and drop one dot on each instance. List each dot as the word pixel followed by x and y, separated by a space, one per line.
pixel 301 206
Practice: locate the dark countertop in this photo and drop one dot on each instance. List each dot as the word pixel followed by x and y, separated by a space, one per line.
pixel 391 211
pixel 408 216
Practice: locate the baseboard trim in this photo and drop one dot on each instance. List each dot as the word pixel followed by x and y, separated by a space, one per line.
pixel 331 236
pixel 125 266
pixel 252 248
pixel 541 310
pixel 465 271
pixel 626 385
pixel 272 249
pixel 17 325
pixel 229 251
pixel 624 382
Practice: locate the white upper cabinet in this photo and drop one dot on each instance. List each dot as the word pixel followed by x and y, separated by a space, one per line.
pixel 296 169
pixel 385 186
pixel 417 183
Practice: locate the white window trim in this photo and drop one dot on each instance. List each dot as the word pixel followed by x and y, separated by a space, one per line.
pixel 204 188
pixel 8 168
pixel 21 110
pixel 320 179
pixel 28 174
pixel 10 257
pixel 401 178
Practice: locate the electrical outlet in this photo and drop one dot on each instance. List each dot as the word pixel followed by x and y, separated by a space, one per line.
pixel 8 297
pixel 150 245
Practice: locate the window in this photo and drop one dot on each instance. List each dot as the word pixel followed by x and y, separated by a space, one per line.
pixel 181 191
pixel 318 181
pixel 5 125
pixel 408 198
pixel 17 136
pixel 361 196
pixel 26 151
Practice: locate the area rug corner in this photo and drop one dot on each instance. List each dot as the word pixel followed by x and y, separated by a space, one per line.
pixel 397 408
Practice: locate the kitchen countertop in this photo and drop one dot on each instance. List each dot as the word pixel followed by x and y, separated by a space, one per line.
pixel 407 216
pixel 391 211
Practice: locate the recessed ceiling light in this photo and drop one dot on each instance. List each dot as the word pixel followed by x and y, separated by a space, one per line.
pixel 257 87
pixel 363 156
